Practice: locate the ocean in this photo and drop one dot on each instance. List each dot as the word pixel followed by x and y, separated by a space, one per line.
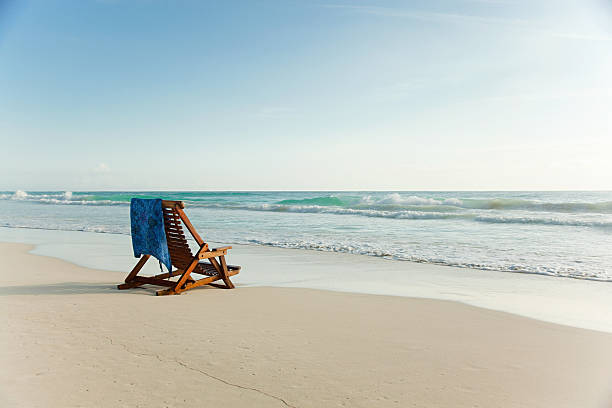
pixel 559 234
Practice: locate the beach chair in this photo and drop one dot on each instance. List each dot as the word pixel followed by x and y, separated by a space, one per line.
pixel 209 263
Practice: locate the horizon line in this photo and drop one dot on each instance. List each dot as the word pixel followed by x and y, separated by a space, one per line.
pixel 309 191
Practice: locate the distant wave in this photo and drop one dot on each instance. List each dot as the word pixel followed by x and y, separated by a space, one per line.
pixel 514 204
pixel 544 221
pixel 63 198
pixel 76 228
pixel 424 215
pixel 401 214
pixel 396 201
pixel 19 195
pixel 390 205
pixel 317 201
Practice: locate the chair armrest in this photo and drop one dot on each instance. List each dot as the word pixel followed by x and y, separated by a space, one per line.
pixel 225 248
pixel 212 254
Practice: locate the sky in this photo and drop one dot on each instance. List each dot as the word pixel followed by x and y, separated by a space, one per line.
pixel 306 95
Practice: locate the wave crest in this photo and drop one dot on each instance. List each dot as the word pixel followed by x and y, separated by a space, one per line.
pixel 389 205
pixel 398 201
pixel 19 195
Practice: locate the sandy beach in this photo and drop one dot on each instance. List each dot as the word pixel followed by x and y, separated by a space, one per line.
pixel 71 339
pixel 409 204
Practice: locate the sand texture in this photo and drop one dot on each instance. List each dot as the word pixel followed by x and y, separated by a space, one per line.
pixel 71 339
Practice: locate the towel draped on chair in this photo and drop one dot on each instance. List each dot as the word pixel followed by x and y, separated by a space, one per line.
pixel 148 234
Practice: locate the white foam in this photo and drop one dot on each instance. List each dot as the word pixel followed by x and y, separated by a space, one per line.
pixel 20 195
pixel 396 198
pixel 602 223
pixel 453 201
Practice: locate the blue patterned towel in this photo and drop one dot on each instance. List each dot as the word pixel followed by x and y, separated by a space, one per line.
pixel 148 234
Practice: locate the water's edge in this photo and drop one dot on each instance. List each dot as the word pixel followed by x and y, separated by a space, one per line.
pixel 560 234
pixel 576 303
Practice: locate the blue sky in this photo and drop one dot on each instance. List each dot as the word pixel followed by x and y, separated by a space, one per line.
pixel 272 95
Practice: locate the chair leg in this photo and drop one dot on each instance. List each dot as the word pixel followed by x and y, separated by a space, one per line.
pixel 134 284
pixel 221 268
pixel 185 277
pixel 143 260
pixel 186 281
pixel 225 273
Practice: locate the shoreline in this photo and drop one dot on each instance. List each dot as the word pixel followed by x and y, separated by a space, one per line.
pixel 76 339
pixel 561 235
pixel 385 258
pixel 572 302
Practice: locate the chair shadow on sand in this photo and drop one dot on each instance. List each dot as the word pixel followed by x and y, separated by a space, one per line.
pixel 69 288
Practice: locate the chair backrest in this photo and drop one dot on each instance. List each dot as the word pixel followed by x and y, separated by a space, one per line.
pixel 180 253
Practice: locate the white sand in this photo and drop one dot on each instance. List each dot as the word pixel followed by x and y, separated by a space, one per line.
pixel 71 339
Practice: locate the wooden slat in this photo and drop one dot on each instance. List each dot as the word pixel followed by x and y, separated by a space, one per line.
pixel 211 254
pixel 206 269
pixel 177 239
pixel 172 203
pixel 200 282
pixel 170 219
pixel 180 261
pixel 133 284
pixel 211 271
pixel 180 249
pixel 203 281
pixel 176 236
pixel 178 243
pixel 154 281
pixel 180 258
pixel 181 255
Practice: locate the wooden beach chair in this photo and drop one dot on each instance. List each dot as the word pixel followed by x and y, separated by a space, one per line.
pixel 206 262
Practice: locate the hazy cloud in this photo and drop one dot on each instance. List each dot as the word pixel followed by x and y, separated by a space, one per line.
pixel 522 24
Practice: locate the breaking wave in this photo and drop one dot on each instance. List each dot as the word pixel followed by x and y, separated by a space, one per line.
pixel 558 234
pixel 388 205
pixel 396 200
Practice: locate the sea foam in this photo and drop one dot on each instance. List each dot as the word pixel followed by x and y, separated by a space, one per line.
pixel 558 234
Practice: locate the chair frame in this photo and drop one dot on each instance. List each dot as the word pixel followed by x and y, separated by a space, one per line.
pixel 195 264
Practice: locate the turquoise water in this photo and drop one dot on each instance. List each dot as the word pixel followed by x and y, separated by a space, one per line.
pixel 565 234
